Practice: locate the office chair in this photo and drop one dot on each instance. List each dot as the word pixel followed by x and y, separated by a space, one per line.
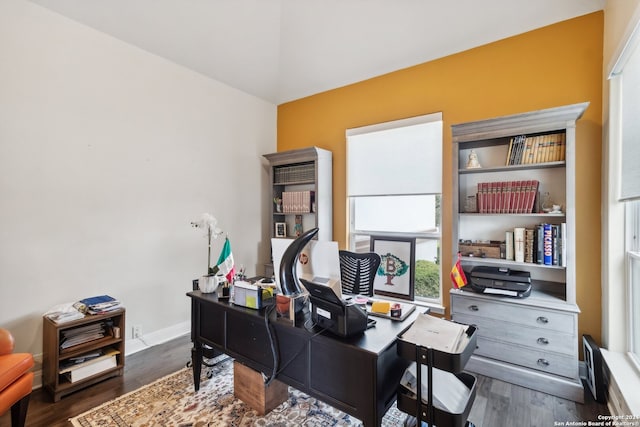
pixel 357 271
pixel 210 356
pixel 16 380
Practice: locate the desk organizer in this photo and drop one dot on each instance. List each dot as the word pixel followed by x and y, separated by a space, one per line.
pixel 450 362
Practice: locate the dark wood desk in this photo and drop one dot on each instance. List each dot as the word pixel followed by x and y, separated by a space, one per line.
pixel 358 375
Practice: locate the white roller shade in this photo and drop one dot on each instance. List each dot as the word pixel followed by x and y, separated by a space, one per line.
pixel 627 70
pixel 400 157
pixel 630 161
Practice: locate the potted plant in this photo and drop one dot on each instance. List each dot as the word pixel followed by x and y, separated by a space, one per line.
pixel 209 282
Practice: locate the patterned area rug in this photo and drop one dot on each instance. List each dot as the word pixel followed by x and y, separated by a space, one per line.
pixel 171 401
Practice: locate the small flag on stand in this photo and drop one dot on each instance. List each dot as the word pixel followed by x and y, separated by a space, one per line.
pixel 457 275
pixel 225 262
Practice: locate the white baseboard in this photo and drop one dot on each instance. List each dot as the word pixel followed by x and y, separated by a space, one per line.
pixel 131 346
pixel 158 337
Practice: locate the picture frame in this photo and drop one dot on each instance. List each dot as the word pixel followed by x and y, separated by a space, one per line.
pixel 281 229
pixel 397 256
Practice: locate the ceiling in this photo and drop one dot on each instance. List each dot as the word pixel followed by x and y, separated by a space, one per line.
pixel 282 50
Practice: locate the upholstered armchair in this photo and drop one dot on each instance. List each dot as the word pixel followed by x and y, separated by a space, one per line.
pixel 16 380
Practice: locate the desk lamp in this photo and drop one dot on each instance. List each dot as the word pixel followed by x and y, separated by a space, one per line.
pixel 289 283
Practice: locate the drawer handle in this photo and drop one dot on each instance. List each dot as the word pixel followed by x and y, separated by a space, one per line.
pixel 473 307
pixel 543 340
pixel 542 320
pixel 543 362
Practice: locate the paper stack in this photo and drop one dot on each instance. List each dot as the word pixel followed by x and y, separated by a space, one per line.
pixel 97 305
pixel 92 366
pixel 63 313
pixel 449 393
pixel 81 335
pixel 434 332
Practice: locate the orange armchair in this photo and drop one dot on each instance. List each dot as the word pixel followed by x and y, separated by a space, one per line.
pixel 16 380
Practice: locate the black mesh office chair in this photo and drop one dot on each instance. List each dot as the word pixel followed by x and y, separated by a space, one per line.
pixel 357 271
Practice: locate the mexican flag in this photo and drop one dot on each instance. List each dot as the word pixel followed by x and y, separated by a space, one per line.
pixel 225 261
pixel 457 275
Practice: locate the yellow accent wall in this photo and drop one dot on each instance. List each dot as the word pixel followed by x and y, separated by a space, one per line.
pixel 552 66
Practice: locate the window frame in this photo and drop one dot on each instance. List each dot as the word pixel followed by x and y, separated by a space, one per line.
pixel 632 283
pixel 436 304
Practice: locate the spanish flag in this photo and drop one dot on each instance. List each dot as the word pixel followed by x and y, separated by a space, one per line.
pixel 457 275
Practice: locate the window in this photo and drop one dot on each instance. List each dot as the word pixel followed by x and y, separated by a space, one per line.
pixel 394 173
pixel 625 149
pixel 632 228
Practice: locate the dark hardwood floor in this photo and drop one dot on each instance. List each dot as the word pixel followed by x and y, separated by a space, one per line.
pixel 497 404
pixel 140 369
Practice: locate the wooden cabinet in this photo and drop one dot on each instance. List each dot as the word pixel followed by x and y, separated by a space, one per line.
pixel 67 368
pixel 532 341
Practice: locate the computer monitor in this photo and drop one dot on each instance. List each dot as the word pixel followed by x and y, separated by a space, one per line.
pixel 318 262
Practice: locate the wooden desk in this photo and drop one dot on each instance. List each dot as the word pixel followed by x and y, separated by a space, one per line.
pixel 358 375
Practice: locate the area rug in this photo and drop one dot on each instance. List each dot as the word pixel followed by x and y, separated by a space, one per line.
pixel 172 401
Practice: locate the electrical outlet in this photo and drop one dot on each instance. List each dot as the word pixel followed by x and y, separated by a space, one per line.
pixel 137 331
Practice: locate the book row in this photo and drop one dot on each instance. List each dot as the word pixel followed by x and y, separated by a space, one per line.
pixel 544 244
pixel 298 201
pixel 536 149
pixel 507 196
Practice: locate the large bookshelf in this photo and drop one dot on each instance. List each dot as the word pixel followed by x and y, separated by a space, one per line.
pixel 301 182
pixel 530 341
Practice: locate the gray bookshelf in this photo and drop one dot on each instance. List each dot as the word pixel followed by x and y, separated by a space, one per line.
pixel 533 341
pixel 295 172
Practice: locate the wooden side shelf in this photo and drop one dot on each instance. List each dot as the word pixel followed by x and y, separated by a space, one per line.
pixel 56 358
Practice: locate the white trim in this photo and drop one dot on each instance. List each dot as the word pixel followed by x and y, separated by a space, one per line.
pixel 155 338
pixel 630 39
pixel 410 121
pixel 626 376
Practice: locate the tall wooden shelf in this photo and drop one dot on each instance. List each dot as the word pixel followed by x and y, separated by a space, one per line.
pixel 533 341
pixel 54 356
pixel 306 169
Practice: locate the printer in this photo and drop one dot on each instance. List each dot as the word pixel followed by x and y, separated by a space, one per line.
pixel 500 281
pixel 328 311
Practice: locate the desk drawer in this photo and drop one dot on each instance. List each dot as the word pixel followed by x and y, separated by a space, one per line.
pixel 514 313
pixel 538 339
pixel 552 363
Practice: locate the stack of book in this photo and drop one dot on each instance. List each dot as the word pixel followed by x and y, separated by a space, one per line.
pixel 97 305
pixel 525 150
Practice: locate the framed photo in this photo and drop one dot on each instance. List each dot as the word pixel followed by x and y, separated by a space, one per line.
pixel 395 276
pixel 281 229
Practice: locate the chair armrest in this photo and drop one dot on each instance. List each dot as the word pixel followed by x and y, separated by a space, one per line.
pixel 6 341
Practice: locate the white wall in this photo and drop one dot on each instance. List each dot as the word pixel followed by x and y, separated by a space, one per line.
pixel 106 154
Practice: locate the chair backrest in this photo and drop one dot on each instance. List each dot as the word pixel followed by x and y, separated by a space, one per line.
pixel 357 271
